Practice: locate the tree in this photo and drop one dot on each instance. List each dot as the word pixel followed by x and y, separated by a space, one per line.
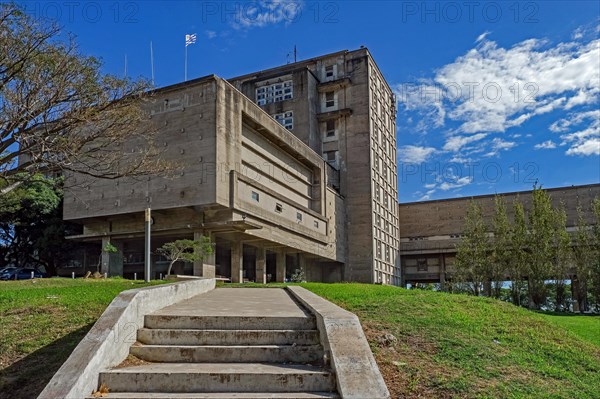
pixel 32 232
pixel 518 265
pixel 472 255
pixel 540 246
pixel 58 112
pixel 583 255
pixel 186 250
pixel 502 251
pixel 562 256
pixel 595 275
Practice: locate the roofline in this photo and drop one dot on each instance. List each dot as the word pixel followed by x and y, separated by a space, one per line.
pixel 177 86
pixel 291 66
pixel 583 186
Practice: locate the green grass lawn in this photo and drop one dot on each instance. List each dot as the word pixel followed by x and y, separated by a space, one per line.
pixel 586 327
pixel 457 346
pixel 448 346
pixel 41 322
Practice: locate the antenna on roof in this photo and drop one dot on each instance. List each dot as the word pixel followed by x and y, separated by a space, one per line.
pixel 295 54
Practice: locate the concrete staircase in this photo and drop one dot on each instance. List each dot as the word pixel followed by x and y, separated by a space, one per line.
pixel 224 357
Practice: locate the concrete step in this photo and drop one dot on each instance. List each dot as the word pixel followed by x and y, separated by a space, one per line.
pixel 190 322
pixel 230 353
pixel 218 377
pixel 153 336
pixel 222 395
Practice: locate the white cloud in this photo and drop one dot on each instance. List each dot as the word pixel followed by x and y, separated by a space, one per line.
pixel 261 13
pixel 581 132
pixel 414 154
pixel 546 145
pixel 482 36
pixel 455 143
pixel 460 182
pixel 492 88
pixel 586 147
pixel 211 34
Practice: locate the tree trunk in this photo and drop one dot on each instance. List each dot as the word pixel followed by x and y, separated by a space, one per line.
pixel 171 266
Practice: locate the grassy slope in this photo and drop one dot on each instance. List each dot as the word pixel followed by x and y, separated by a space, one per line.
pixel 455 346
pixel 42 322
pixel 584 326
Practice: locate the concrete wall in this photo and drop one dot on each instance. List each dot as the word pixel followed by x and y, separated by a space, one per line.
pixel 185 119
pixel 107 343
pixel 430 230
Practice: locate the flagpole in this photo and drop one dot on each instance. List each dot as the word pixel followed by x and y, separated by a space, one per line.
pixel 152 62
pixel 185 72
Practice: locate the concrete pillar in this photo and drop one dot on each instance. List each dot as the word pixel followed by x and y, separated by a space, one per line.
pixel 115 267
pixel 111 263
pixel 443 273
pixel 280 266
pixel 261 265
pixel 302 265
pixel 237 262
pixel 104 256
pixel 205 267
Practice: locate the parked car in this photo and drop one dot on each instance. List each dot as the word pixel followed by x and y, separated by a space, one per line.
pixel 21 274
pixel 7 269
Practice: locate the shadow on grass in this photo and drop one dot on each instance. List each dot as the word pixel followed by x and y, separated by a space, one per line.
pixel 567 313
pixel 26 378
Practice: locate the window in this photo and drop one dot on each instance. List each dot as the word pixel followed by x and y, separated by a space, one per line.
pixel 278 208
pixel 422 265
pixel 285 119
pixel 329 99
pixel 298 216
pixel 316 224
pixel 330 156
pixel 330 128
pixel 329 72
pixel 275 92
pixel 255 196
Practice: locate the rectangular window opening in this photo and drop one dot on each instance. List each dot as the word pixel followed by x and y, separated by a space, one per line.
pixel 330 128
pixel 255 196
pixel 278 208
pixel 329 99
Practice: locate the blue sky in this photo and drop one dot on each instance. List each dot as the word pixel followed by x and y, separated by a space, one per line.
pixel 493 96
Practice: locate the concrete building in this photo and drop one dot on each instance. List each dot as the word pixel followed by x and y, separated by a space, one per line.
pixel 430 230
pixel 284 169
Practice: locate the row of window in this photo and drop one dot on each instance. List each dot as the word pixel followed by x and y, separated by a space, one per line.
pixel 275 92
pixel 279 208
pixel 286 119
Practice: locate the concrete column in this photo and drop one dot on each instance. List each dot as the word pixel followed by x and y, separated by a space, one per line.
pixel 115 267
pixel 261 265
pixel 104 256
pixel 443 273
pixel 280 266
pixel 302 265
pixel 205 267
pixel 237 262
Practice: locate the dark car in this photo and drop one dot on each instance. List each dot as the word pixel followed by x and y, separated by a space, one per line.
pixel 21 274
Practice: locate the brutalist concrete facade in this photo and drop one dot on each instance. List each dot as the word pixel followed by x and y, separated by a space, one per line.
pixel 261 194
pixel 341 106
pixel 296 169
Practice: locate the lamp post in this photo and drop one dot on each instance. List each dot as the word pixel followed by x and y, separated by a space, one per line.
pixel 147 259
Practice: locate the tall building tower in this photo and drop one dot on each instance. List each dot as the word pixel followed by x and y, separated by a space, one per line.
pixel 341 106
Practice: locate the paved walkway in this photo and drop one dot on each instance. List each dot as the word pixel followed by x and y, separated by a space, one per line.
pixel 252 302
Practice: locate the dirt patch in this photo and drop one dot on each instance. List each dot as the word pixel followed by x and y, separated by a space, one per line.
pixel 132 361
pixel 408 367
